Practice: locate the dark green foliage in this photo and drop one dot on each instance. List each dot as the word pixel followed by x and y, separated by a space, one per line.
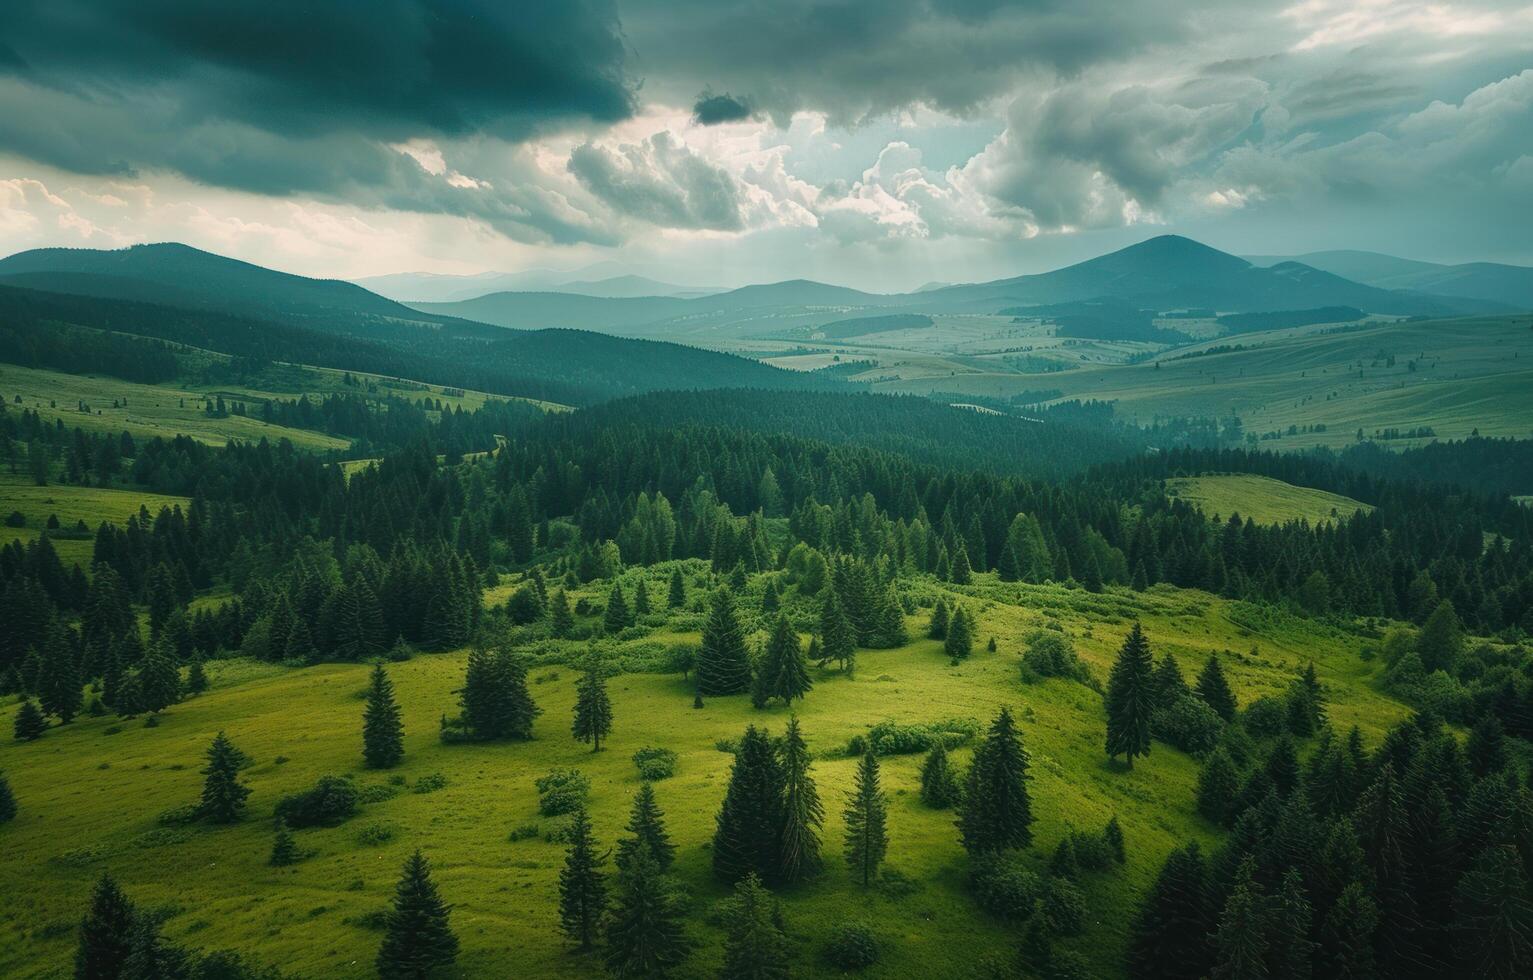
pixel 1494 916
pixel 330 801
pixel 1347 937
pixel 617 617
pixel 196 678
pixel 784 670
pixel 593 709
pixel 382 732
pixel 30 724
pixel 996 811
pixel 284 850
pixel 526 606
pixel 852 946
pixel 1441 642
pixel 937 629
pixel 723 666
pixel 7 801
pixel 1486 748
pixel 746 839
pixel 866 815
pixel 106 933
pixel 1112 836
pixel 418 938
pixel 561 622
pixel 496 701
pixel 1290 950
pixel 802 814
pixel 1064 907
pixel 646 824
pixel 645 936
pixel 838 640
pixel 1169 936
pixel 1187 723
pixel 960 636
pixel 159 682
pixel 582 885
pixel 223 795
pixel 655 763
pixel 1004 885
pixel 58 684
pixel 1130 699
pixel 1240 945
pixel 562 791
pixel 1214 688
pixel 676 594
pixel 1049 653
pixel 939 784
pixel 1218 787
pixel 1306 704
pixel 755 947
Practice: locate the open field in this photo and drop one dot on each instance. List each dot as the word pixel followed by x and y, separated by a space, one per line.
pixel 1262 499
pixel 71 504
pixel 90 793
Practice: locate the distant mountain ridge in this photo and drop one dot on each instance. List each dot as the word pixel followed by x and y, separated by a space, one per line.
pixel 425 287
pixel 1492 282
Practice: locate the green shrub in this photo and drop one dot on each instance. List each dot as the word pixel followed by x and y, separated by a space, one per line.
pixel 1065 907
pixel 655 763
pixel 527 831
pixel 1266 717
pixel 180 816
pixel 331 801
pixel 375 834
pixel 892 738
pixel 562 791
pixel 377 793
pixel 431 783
pixel 852 946
pixel 1049 653
pixel 1005 887
pixel 1189 724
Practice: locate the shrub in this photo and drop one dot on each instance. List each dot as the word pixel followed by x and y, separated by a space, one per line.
pixel 562 791
pixel 331 801
pixel 16 519
pixel 1266 717
pixel 377 920
pixel 180 816
pixel 1005 887
pixel 1050 654
pixel 1092 852
pixel 892 738
pixel 431 783
pixel 1189 724
pixel 655 763
pixel 375 834
pixel 1065 907
pixel 852 946
pixel 527 831
pixel 377 793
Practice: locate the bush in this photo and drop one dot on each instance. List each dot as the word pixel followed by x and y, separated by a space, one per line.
pixel 16 519
pixel 892 738
pixel 655 763
pixel 431 783
pixel 180 816
pixel 1092 852
pixel 1005 887
pixel 377 793
pixel 852 946
pixel 375 834
pixel 1266 717
pixel 1065 907
pixel 527 831
pixel 1189 724
pixel 1050 654
pixel 331 801
pixel 562 791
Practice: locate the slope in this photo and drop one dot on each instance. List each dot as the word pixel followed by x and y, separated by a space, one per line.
pixel 1494 282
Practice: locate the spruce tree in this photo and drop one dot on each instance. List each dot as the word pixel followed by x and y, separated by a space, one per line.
pixel 418 939
pixel 196 678
pixel 866 816
pixel 582 886
pixel 939 784
pixel 960 572
pixel 223 795
pixel 30 724
pixel 1486 747
pixel 996 811
pixel 593 709
pixel 59 687
pixel 159 682
pixel 641 604
pixel 1347 937
pixel 1240 945
pixel 677 595
pixel 561 622
pixel 1493 914
pixel 617 618
pixel 382 733
pixel 1169 937
pixel 1441 641
pixel 1218 787
pixel 645 936
pixel 784 668
pixel 646 824
pixel 496 701
pixel 802 814
pixel 7 801
pixel 747 836
pixel 960 636
pixel 1215 691
pixel 1130 699
pixel 284 849
pixel 937 629
pixel 1290 950
pixel 723 665
pixel 838 640
pixel 106 933
pixel 754 945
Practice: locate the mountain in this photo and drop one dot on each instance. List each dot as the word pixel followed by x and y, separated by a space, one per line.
pixel 619 287
pixel 427 287
pixel 1511 285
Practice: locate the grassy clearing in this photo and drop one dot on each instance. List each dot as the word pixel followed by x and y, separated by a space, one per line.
pixel 90 793
pixel 1262 499
pixel 71 504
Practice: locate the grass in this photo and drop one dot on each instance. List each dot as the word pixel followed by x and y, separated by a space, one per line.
pixel 71 504
pixel 1262 499
pixel 89 795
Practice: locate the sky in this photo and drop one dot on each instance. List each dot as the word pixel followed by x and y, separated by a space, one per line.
pixel 882 144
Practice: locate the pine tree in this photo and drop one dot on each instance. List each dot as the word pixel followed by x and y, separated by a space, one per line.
pixel 1169 938
pixel 382 733
pixel 1493 913
pixel 159 682
pixel 960 636
pixel 1289 946
pixel 496 701
pixel 723 665
pixel 1168 683
pixel 223 795
pixel 939 784
pixel 937 629
pixel 30 723
pixel 59 686
pixel 960 573
pixel 1112 836
pixel 617 618
pixel 645 936
pixel 7 801
pixel 996 812
pixel 1441 641
pixel 1347 938
pixel 838 641
pixel 1486 748
pixel 1215 691
pixel 647 825
pixel 747 836
pixel 1130 699
pixel 106 933
pixel 755 947
pixel 802 814
pixel 866 816
pixel 196 678
pixel 593 709
pixel 582 886
pixel 284 850
pixel 418 938
pixel 561 622
pixel 784 669
pixel 1241 941
pixel 677 595
pixel 641 603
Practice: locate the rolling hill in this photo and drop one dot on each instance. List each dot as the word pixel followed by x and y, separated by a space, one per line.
pixel 1511 285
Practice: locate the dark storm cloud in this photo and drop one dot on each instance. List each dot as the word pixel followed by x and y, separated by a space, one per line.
pixel 662 182
pixel 710 109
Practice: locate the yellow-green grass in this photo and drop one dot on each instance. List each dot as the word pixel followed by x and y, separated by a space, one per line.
pixel 89 794
pixel 1470 375
pixel 1262 499
pixel 72 504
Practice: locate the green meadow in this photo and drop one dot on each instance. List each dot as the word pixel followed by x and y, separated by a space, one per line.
pixel 91 792
pixel 71 504
pixel 1262 499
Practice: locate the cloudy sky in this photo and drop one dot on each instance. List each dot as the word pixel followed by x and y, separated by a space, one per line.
pixel 879 143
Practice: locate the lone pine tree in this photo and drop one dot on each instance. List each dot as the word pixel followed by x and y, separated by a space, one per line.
pixel 1130 699
pixel 866 838
pixel 959 642
pixel 284 850
pixel 838 641
pixel 646 828
pixel 496 701
pixel 561 622
pixel 939 785
pixel 676 596
pixel 582 885
pixel 645 936
pixel 802 814
pixel 746 837
pixel 723 665
pixel 30 724
pixel 223 795
pixel 784 670
pixel 1214 689
pixel 593 709
pixel 996 812
pixel 106 933
pixel 617 617
pixel 382 733
pixel 417 938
